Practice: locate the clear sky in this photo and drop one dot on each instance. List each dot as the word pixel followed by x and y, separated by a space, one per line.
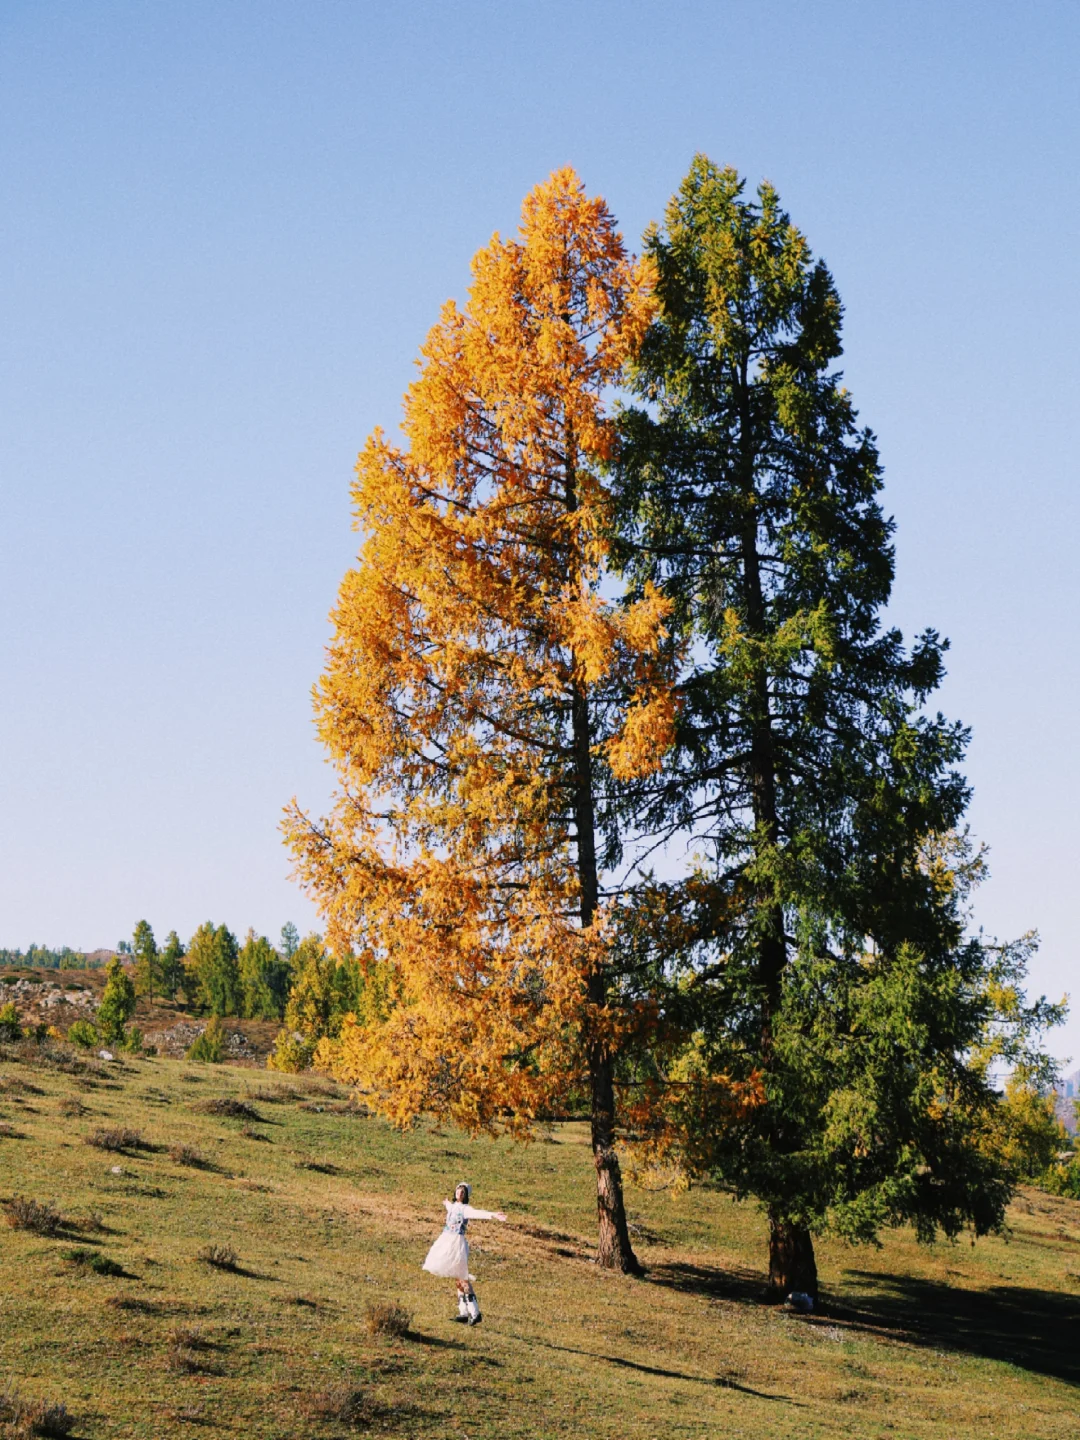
pixel 225 229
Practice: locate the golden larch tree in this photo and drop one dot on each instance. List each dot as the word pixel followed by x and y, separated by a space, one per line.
pixel 486 697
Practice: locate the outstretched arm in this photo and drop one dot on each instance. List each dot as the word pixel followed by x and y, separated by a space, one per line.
pixel 471 1214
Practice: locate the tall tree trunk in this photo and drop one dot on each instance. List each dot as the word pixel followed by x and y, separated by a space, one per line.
pixel 615 1251
pixel 772 947
pixel 791 1257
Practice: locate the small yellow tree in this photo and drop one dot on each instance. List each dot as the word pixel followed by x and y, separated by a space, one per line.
pixel 485 699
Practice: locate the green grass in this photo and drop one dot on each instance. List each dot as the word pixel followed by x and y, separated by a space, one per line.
pixel 329 1212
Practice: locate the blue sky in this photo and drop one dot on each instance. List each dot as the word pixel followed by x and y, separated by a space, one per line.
pixel 225 230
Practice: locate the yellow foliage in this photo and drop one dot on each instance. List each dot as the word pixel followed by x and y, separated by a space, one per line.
pixel 469 640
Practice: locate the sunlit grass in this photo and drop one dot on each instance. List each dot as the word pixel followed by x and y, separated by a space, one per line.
pixel 335 1216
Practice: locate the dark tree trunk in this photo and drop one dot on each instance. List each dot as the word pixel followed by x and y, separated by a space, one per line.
pixel 772 947
pixel 615 1251
pixel 791 1258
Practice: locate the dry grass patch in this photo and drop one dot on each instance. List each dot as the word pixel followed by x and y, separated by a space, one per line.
pixel 189 1337
pixel 35 1418
pixel 343 1404
pixel 387 1317
pixel 188 1155
pixel 234 1109
pixel 275 1094
pixel 135 1304
pixel 182 1360
pixel 72 1107
pixel 118 1139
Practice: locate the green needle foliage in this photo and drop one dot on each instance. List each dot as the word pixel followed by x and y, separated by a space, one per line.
pixel 213 970
pixel 819 953
pixel 147 960
pixel 172 965
pixel 117 1004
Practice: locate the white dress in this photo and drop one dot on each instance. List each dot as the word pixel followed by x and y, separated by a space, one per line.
pixel 449 1256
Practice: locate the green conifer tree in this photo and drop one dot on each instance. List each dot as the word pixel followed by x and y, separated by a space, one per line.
pixel 117 1003
pixel 147 963
pixel 172 965
pixel 324 990
pixel 821 943
pixel 264 979
pixel 213 970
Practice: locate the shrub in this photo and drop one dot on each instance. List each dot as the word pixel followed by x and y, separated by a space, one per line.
pixel 186 1361
pixel 37 1418
pixel 10 1029
pixel 250 1133
pixel 83 1033
pixel 117 1138
pixel 188 1155
pixel 92 1260
pixel 342 1403
pixel 220 1257
pixel 209 1047
pixel 132 1041
pixel 386 1317
pixel 72 1107
pixel 189 1337
pixel 22 1213
pixel 236 1109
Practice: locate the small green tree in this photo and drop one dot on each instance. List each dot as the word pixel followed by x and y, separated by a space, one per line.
pixel 264 979
pixel 10 1029
pixel 171 962
pixel 323 992
pixel 290 939
pixel 83 1033
pixel 214 971
pixel 147 964
pixel 117 1003
pixel 1027 1134
pixel 209 1047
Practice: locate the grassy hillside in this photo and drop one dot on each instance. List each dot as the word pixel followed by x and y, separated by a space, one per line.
pixel 328 1210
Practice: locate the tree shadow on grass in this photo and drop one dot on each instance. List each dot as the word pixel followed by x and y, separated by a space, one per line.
pixel 724 1382
pixel 1030 1328
pixel 1034 1329
pixel 746 1286
pixel 435 1342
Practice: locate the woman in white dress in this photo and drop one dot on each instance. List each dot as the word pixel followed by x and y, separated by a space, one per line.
pixel 449 1256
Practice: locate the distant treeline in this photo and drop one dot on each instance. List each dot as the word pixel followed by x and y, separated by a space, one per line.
pixel 42 957
pixel 214 972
